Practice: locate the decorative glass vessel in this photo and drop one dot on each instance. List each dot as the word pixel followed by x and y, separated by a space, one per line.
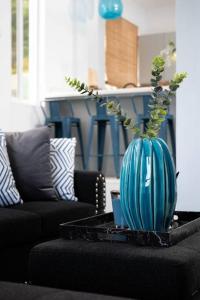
pixel 148 185
pixel 117 211
pixel 110 9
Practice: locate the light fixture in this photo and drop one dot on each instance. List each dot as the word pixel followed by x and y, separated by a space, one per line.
pixel 81 10
pixel 110 9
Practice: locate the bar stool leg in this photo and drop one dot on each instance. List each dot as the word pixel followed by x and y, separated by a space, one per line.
pixel 173 138
pixel 81 144
pixel 115 143
pixel 67 128
pixel 125 136
pixel 141 122
pixel 58 130
pixel 89 145
pixel 100 143
pixel 54 125
pixel 163 130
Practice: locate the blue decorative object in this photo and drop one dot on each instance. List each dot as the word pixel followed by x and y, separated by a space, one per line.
pixel 148 185
pixel 117 211
pixel 110 9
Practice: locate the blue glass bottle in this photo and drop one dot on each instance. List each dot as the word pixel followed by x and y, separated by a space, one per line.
pixel 117 211
pixel 110 9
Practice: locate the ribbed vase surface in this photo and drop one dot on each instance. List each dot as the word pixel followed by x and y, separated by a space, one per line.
pixel 148 185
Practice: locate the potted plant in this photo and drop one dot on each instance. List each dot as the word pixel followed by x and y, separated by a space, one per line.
pixel 148 177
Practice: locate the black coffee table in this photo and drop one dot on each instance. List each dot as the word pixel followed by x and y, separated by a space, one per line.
pixel 119 269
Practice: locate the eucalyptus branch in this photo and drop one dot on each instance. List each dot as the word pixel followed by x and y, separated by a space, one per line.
pixel 158 104
pixel 161 99
pixel 82 88
pixel 113 107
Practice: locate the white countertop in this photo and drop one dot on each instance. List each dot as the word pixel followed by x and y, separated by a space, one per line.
pixel 115 92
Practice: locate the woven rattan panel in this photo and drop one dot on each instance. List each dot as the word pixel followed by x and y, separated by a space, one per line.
pixel 121 52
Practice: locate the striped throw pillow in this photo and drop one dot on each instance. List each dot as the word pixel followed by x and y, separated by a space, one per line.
pixel 9 194
pixel 62 159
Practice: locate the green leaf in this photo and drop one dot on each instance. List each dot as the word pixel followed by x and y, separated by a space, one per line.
pixel 90 93
pixel 162 112
pixel 155 73
pixel 158 78
pixel 158 62
pixel 158 89
pixel 82 86
pixel 127 122
pixel 154 84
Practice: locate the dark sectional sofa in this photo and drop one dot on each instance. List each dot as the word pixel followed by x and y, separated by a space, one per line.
pixel 13 291
pixel 25 225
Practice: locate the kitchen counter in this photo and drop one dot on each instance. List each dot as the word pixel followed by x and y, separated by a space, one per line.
pixel 137 91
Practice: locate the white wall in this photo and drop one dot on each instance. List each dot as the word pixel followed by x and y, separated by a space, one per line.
pixel 24 116
pixel 74 42
pixel 151 16
pixel 149 46
pixel 188 104
pixel 4 64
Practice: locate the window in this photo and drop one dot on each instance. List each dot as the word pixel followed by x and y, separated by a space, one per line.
pixel 27 42
pixel 20 49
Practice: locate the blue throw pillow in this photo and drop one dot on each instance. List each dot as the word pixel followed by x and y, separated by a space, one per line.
pixel 9 194
pixel 62 156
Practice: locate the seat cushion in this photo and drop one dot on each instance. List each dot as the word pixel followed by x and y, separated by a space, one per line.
pixel 54 213
pixel 29 154
pixel 140 272
pixel 17 227
pixel 13 291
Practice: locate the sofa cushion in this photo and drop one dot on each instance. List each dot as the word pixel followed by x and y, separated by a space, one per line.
pixel 13 291
pixel 29 154
pixel 62 155
pixel 119 269
pixel 9 194
pixel 54 213
pixel 18 227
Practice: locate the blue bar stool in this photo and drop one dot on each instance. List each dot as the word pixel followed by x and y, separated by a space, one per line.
pixel 101 120
pixel 142 119
pixel 64 124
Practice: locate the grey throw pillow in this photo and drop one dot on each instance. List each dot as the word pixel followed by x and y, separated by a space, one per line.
pixel 29 154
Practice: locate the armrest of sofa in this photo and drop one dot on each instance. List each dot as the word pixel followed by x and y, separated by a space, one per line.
pixel 90 187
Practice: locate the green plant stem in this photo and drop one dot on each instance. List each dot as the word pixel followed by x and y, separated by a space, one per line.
pixel 158 105
pixel 112 106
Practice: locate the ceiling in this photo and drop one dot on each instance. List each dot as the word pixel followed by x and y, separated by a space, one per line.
pixel 151 16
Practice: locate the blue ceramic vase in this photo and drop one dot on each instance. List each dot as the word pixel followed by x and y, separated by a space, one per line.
pixel 148 185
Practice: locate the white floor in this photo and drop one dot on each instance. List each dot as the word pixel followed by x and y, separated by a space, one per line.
pixel 112 183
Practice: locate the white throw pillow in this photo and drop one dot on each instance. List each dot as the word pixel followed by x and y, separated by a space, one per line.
pixel 62 159
pixel 9 194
